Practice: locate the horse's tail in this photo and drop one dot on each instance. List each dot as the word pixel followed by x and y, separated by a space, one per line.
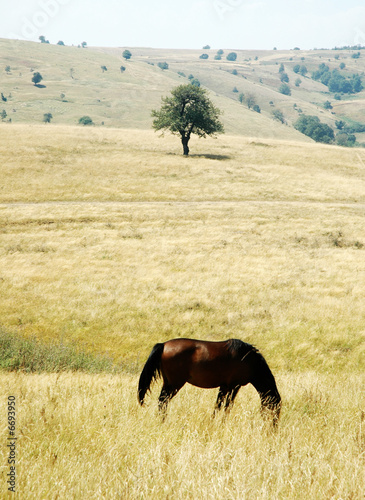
pixel 151 371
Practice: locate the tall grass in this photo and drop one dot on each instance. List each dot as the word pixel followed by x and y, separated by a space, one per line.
pixel 84 436
pixel 110 243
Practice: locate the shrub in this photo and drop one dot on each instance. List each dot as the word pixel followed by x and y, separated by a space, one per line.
pixel 163 65
pixel 284 89
pixel 232 56
pixel 204 56
pixel 86 120
pixel 278 115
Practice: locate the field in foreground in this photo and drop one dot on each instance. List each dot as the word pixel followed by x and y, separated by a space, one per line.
pixel 111 241
pixel 84 436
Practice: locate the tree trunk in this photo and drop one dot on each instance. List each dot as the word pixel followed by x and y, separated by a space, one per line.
pixel 185 141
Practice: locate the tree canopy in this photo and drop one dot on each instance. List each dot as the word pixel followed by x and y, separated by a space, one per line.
pixel 188 111
pixel 312 127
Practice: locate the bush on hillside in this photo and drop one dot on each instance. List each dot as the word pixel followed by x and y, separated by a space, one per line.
pixel 232 56
pixel 86 120
pixel 313 128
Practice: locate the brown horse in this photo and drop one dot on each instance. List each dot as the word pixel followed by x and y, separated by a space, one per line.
pixel 228 365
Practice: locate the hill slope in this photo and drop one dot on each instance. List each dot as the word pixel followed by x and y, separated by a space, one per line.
pixel 75 85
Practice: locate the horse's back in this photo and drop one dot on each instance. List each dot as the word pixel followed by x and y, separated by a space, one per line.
pixel 201 363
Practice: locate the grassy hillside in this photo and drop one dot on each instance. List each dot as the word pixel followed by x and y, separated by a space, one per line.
pixel 125 99
pixel 110 241
pixel 113 241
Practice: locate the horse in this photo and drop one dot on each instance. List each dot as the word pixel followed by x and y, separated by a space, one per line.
pixel 228 365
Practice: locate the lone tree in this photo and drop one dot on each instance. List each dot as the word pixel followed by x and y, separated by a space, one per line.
pixel 188 111
pixel 37 78
pixel 127 54
pixel 47 117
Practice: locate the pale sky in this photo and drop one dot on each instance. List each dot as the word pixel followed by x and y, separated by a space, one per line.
pixel 235 24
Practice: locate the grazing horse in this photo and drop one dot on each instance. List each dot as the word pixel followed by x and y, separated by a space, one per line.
pixel 228 365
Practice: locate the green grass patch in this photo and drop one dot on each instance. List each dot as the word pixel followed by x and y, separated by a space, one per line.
pixel 29 355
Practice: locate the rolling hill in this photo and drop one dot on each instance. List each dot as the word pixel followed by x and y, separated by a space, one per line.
pixel 75 84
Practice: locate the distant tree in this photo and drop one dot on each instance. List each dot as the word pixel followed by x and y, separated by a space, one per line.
pixel 234 72
pixel 296 68
pixel 241 97
pixel 256 108
pixel 195 82
pixel 163 65
pixel 356 55
pixel 83 45
pixel 217 57
pixel 303 70
pixel 190 77
pixel 86 120
pixel 220 52
pixel 187 111
pixel 43 39
pixel 281 68
pixel 62 96
pixel 250 100
pixel 104 68
pixel 204 56
pixel 7 69
pixel 206 47
pixel 47 117
pixel 37 78
pixel 127 54
pixel 297 82
pixel 342 65
pixel 3 98
pixel 346 140
pixel 232 56
pixel 61 43
pixel 327 105
pixel 340 124
pixel 284 77
pixel 312 127
pixel 284 89
pixel 122 69
pixel 278 115
pixel 235 89
pixel 3 115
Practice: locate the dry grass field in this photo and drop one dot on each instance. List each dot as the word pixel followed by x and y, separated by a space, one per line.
pixel 111 241
pixel 82 436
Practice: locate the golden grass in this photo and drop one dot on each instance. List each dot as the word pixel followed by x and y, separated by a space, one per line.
pixel 82 436
pixel 111 241
pixel 194 257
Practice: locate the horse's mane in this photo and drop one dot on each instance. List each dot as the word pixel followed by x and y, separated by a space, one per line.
pixel 240 348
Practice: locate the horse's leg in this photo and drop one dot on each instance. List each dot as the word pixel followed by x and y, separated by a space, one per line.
pixel 222 393
pixel 231 397
pixel 166 394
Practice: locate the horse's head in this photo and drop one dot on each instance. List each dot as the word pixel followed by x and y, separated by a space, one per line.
pixel 271 406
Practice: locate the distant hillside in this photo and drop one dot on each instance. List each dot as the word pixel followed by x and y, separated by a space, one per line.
pixel 90 81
